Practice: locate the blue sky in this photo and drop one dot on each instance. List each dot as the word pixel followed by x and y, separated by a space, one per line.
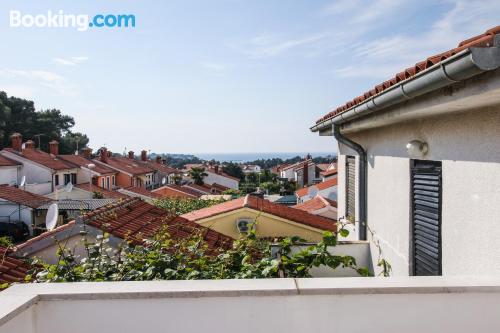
pixel 223 75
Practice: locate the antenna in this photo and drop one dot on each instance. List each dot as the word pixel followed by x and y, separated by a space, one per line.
pixel 23 181
pixel 69 187
pixel 51 218
pixel 163 180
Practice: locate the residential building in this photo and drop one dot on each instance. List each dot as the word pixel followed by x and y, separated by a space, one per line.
pixel 17 205
pixel 271 220
pixel 326 189
pixel 133 220
pixel 130 172
pixel 419 162
pixel 205 189
pixel 12 269
pixel 250 168
pixel 43 172
pixel 140 192
pixel 163 174
pixel 303 173
pixel 97 192
pixel 330 172
pixel 216 175
pixel 319 206
pixel 9 171
pixel 89 171
pixel 177 191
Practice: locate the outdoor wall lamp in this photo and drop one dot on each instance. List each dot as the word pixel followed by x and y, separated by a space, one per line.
pixel 417 148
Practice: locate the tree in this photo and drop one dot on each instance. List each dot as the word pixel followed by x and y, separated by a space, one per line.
pixel 179 206
pixel 233 170
pixel 177 179
pixel 19 115
pixel 197 175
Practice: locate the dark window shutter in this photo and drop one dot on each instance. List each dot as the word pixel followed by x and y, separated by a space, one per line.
pixel 350 187
pixel 426 188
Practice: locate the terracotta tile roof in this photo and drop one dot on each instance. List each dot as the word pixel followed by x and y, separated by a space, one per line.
pixel 83 162
pixel 106 193
pixel 25 198
pixel 160 167
pixel 326 184
pixel 135 220
pixel 320 186
pixel 142 191
pixel 173 190
pixel 265 206
pixel 126 165
pixel 210 169
pixel 11 269
pixel 208 188
pixel 318 202
pixel 483 40
pixel 5 161
pixel 330 172
pixel 43 158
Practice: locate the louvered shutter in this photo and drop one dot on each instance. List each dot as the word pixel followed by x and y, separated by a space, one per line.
pixel 350 187
pixel 426 217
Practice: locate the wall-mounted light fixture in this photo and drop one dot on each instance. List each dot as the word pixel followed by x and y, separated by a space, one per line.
pixel 417 148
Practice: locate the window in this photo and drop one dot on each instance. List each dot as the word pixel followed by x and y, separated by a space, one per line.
pixel 113 180
pixel 426 193
pixel 73 178
pixel 102 182
pixel 350 184
pixel 67 178
pixel 56 180
pixel 107 183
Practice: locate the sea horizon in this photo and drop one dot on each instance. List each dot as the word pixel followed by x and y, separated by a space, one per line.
pixel 248 157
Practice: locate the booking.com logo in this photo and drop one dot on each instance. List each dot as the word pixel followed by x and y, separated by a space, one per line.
pixel 62 20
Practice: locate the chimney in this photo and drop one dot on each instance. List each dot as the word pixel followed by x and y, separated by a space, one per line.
pixel 104 155
pixel 131 155
pixel 144 156
pixel 54 147
pixel 305 174
pixel 30 144
pixel 87 152
pixel 216 168
pixel 158 159
pixel 17 141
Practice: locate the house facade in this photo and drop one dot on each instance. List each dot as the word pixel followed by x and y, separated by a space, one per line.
pixel 419 162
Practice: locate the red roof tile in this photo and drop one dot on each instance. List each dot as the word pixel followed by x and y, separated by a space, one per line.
pixel 135 220
pixel 25 198
pixel 43 158
pixel 11 269
pixel 5 161
pixel 318 202
pixel 81 161
pixel 327 183
pixel 107 194
pixel 160 167
pixel 483 40
pixel 330 172
pixel 142 191
pixel 126 165
pixel 265 206
pixel 173 190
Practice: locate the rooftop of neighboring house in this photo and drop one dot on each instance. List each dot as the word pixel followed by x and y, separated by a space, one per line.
pixel 107 194
pixel 174 190
pixel 262 205
pixel 160 167
pixel 11 269
pixel 42 158
pixel 207 189
pixel 134 220
pixel 81 161
pixel 5 161
pixel 210 169
pixel 81 204
pixel 481 41
pixel 318 202
pixel 140 191
pixel 329 172
pixel 320 186
pixel 21 197
pixel 126 165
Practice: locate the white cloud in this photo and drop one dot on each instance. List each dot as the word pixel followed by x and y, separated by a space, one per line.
pixel 362 11
pixel 383 57
pixel 71 61
pixel 39 78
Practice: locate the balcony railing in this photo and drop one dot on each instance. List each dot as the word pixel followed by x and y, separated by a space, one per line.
pixel 409 304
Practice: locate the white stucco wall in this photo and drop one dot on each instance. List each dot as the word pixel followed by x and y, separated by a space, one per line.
pixel 16 213
pixel 221 180
pixel 8 175
pixel 468 144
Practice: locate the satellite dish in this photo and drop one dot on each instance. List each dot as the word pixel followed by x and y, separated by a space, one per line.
pixel 69 187
pixel 23 181
pixel 163 181
pixel 52 215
